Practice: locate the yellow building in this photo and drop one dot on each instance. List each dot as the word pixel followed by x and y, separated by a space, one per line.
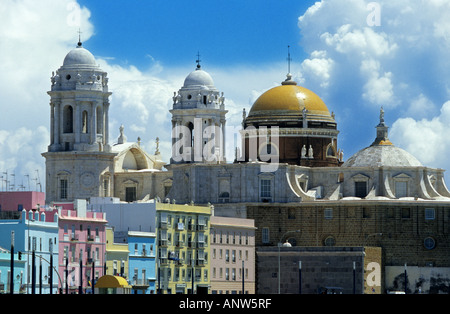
pixel 116 256
pixel 183 248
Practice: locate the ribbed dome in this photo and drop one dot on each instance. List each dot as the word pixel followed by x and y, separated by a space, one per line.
pixel 79 56
pixel 382 153
pixel 382 156
pixel 287 102
pixel 198 78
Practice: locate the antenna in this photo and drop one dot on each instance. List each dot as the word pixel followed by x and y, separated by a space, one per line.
pixel 289 59
pixel 38 181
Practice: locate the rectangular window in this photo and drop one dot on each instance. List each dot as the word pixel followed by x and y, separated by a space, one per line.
pixel 406 213
pixel 265 188
pixel 63 189
pixel 429 214
pixel 328 213
pixel 291 213
pixel 361 189
pixel 130 194
pixel 105 187
pixel 265 235
pixel 401 189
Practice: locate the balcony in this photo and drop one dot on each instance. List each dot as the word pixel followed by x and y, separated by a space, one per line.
pixel 200 262
pixel 179 244
pixel 163 242
pixel 200 227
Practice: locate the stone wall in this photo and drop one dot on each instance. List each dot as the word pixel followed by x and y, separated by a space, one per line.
pixel 322 269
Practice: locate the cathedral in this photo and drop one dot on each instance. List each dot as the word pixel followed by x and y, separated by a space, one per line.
pixel 288 172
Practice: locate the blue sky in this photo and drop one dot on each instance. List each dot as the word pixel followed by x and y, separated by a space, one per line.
pixel 225 32
pixel 149 47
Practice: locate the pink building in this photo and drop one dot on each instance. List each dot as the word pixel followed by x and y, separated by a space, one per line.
pixel 19 200
pixel 82 247
pixel 232 245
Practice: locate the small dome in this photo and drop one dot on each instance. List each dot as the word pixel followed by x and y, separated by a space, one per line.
pixel 382 156
pixel 79 56
pixel 382 153
pixel 198 78
pixel 287 102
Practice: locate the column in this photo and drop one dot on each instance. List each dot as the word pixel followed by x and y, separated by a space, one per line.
pixel 77 122
pixel 57 106
pixel 106 123
pixel 198 139
pixel 52 123
pixel 222 146
pixel 93 130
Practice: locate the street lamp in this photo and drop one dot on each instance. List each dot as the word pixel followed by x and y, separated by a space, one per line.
pixel 279 245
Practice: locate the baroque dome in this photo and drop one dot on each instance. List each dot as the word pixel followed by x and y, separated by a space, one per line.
pixel 79 56
pixel 197 78
pixel 382 153
pixel 288 102
pixel 382 156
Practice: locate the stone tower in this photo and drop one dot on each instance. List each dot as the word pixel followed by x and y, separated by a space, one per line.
pixel 79 159
pixel 198 121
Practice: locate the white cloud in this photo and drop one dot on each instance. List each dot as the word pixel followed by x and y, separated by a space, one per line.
pixel 378 88
pixel 364 42
pixel 34 38
pixel 401 65
pixel 427 139
pixel 318 68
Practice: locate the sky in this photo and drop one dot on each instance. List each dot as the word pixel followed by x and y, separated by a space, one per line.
pixel 356 55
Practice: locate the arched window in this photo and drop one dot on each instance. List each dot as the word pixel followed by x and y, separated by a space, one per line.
pixel 191 130
pixel 68 119
pixel 84 126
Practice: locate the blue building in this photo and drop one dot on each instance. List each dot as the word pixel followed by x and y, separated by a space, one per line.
pixel 36 237
pixel 5 272
pixel 141 262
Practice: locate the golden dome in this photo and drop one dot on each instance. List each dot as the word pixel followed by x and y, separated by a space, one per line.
pixel 288 101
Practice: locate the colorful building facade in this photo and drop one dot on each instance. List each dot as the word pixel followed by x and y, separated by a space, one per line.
pixel 19 200
pixel 82 248
pixel 183 258
pixel 232 243
pixel 142 257
pixel 36 238
pixel 116 255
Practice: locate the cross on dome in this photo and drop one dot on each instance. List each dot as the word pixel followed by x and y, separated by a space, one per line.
pixel 198 60
pixel 79 38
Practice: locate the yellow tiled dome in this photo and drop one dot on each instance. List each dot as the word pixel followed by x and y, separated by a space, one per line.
pixel 288 101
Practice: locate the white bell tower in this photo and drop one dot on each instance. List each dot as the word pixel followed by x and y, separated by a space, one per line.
pixel 198 121
pixel 79 159
pixel 79 104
